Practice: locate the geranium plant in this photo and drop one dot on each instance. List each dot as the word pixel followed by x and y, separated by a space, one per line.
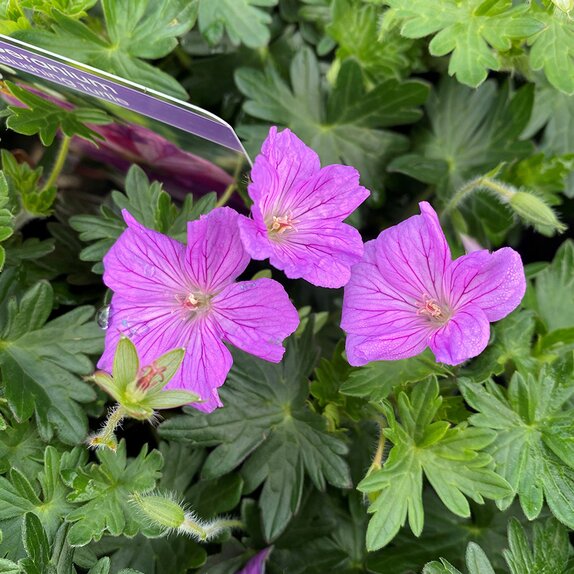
pixel 353 354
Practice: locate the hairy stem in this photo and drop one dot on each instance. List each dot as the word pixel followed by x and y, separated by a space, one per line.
pixel 59 163
pixel 106 437
pixel 498 189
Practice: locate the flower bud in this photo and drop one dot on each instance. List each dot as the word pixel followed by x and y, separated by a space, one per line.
pixel 535 211
pixel 160 509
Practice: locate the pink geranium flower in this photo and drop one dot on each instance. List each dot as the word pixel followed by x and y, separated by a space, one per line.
pixel 298 212
pixel 408 294
pixel 168 295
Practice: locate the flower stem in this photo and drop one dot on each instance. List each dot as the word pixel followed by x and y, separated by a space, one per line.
pixel 203 532
pixel 106 437
pixel 230 190
pixel 485 183
pixel 377 463
pixel 59 163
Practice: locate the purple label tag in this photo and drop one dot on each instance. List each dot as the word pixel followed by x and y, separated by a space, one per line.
pixel 74 75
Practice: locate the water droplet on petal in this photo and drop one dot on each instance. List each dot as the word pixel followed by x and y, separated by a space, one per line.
pixel 149 270
pixel 103 317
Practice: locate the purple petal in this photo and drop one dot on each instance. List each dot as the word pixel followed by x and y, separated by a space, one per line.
pixel 464 336
pixel 205 365
pixel 254 235
pixel 414 255
pixel 153 329
pixel 332 193
pixel 283 163
pixel 215 254
pixel 157 330
pixel 392 345
pixel 381 323
pixel 322 255
pixel 145 264
pixel 256 316
pixel 256 565
pixel 494 282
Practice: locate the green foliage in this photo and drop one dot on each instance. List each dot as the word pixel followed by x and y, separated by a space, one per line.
pixel 553 48
pixel 243 20
pixel 381 55
pixel 285 440
pixel 344 126
pixel 474 31
pixel 470 133
pixel 555 290
pixel 532 450
pixel 377 380
pixel 465 453
pixel 103 490
pixel 72 8
pixel 135 30
pixel 547 554
pixel 148 203
pixel 43 117
pixel 44 498
pixel 20 448
pixel 452 459
pixel 25 192
pixel 476 562
pixel 511 344
pixel 6 217
pixel 41 362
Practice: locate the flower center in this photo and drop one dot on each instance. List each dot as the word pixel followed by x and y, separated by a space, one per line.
pixel 193 301
pixel 150 376
pixel 430 309
pixel 279 224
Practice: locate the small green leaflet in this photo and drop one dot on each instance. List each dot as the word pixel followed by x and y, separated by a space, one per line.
pixel 511 341
pixel 342 127
pixel 149 204
pixel 41 362
pixel 136 30
pixel 533 447
pixel 472 31
pixel 355 27
pixel 555 290
pixel 21 448
pixel 6 217
pixel 18 496
pixel 452 459
pixel 476 562
pixel 377 380
pixel 445 535
pixel 103 490
pixel 471 132
pixel 24 185
pixel 285 439
pixel 45 118
pixel 552 50
pixel 548 552
pixel 243 20
pixel 176 555
pixel 73 8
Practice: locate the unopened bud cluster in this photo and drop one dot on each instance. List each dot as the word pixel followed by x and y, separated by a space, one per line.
pixel 529 207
